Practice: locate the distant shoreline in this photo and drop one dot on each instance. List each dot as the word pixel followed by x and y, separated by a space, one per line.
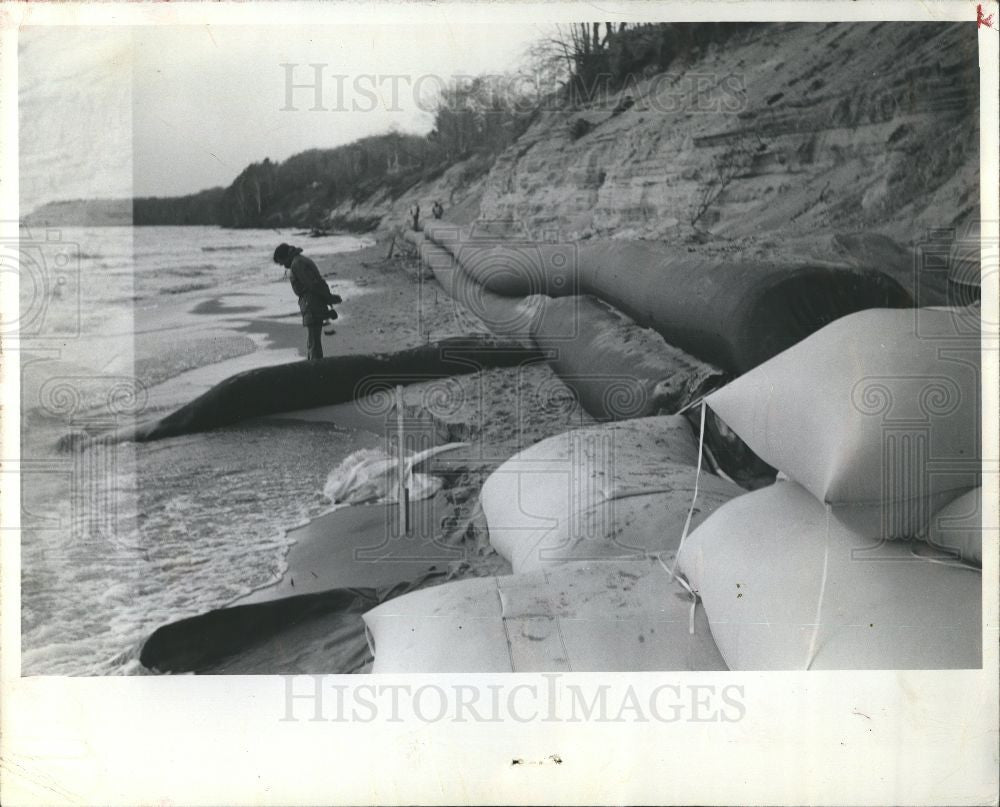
pixel 28 222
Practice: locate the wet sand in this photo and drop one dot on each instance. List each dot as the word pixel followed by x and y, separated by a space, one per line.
pixel 304 626
pixel 361 546
pixel 387 307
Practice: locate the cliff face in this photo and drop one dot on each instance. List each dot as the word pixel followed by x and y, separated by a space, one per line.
pixel 459 189
pixel 781 141
pixel 787 141
pixel 793 130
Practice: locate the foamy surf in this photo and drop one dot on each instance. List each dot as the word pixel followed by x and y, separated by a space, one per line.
pixel 192 525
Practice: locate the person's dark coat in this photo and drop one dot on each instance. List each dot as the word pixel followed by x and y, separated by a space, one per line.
pixel 314 294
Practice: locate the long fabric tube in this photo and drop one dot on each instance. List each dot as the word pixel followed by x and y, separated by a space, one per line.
pixel 730 312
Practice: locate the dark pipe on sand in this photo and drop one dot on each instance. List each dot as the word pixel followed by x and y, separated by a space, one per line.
pixel 199 642
pixel 734 313
pixel 337 379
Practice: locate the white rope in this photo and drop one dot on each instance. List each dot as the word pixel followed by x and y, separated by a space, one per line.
pixel 822 592
pixel 826 565
pixel 684 584
pixel 956 564
pixel 694 498
pixel 713 463
pixel 690 405
pixel 672 571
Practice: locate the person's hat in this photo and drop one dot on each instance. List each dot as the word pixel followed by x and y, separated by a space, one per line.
pixel 285 251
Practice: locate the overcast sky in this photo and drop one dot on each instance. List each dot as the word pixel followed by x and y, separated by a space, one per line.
pixel 165 111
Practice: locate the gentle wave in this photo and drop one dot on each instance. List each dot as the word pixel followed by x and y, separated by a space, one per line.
pixel 186 287
pixel 120 538
pixel 172 529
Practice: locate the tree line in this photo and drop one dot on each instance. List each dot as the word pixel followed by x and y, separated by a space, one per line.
pixel 475 117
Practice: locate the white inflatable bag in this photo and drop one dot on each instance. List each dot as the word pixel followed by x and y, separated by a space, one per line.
pixel 578 617
pixel 787 587
pixel 877 413
pixel 615 491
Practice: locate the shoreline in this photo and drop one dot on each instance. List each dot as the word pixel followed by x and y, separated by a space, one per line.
pixel 400 307
pixel 394 305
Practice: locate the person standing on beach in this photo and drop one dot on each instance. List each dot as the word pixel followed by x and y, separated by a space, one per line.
pixel 315 297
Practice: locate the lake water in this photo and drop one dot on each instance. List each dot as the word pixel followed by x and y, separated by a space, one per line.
pixel 123 323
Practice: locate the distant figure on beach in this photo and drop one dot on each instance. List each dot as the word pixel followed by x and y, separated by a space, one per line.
pixel 437 211
pixel 315 297
pixel 625 103
pixel 415 215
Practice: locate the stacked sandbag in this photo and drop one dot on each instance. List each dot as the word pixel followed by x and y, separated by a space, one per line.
pixel 877 414
pixel 957 529
pixel 579 617
pixel 787 586
pixel 607 492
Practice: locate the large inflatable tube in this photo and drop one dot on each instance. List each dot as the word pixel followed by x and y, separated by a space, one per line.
pixel 512 266
pixel 734 314
pixel 860 412
pixel 618 491
pixel 606 617
pixel 788 587
pixel 200 642
pixel 965 274
pixel 445 233
pixel 518 270
pixel 617 369
pixel 307 384
pixel 511 317
pixel 415 237
pixel 506 316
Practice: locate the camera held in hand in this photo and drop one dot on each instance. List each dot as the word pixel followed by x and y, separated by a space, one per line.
pixel 331 315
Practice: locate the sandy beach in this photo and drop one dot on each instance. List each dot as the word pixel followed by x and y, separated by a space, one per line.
pixel 338 564
pixel 652 434
pixel 389 305
pixel 559 340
